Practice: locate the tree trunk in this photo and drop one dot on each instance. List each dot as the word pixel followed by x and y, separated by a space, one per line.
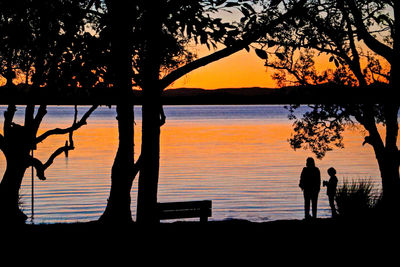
pixel 9 77
pixel 9 188
pixel 149 173
pixel 386 154
pixel 150 152
pixel 390 164
pixel 118 208
pixel 389 169
pixel 356 69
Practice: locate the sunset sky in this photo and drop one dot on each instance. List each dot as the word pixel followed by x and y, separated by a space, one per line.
pixel 243 69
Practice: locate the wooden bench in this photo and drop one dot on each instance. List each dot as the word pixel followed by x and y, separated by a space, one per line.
pixel 187 209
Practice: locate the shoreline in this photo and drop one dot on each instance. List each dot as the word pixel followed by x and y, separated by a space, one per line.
pixel 250 243
pixel 329 226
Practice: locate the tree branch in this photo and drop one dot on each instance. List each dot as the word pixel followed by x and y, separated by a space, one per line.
pixel 56 154
pixel 8 118
pixel 392 126
pixel 136 167
pixel 178 73
pixel 237 46
pixel 42 111
pixel 90 4
pixel 368 121
pixel 376 46
pixel 74 127
pixel 29 110
pixel 40 167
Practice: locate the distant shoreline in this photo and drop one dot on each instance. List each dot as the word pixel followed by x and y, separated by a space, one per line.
pixel 198 96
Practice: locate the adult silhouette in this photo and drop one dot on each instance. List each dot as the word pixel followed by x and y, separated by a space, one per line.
pixel 310 183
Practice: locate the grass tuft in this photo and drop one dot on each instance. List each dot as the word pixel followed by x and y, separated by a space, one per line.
pixel 357 198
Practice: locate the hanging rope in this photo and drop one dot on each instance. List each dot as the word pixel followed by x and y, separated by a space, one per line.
pixel 32 195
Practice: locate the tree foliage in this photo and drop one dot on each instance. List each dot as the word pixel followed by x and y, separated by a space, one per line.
pixel 49 43
pixel 331 28
pixel 339 29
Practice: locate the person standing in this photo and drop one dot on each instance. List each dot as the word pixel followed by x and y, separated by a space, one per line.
pixel 331 189
pixel 310 183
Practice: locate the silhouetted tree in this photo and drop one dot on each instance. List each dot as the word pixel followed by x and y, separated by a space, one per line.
pixel 367 15
pixel 46 55
pixel 118 30
pixel 136 48
pixel 136 54
pixel 151 67
pixel 49 44
pixel 321 26
pixel 16 38
pixel 136 33
pixel 176 25
pixel 203 29
pixel 16 143
pixel 334 27
pixel 300 70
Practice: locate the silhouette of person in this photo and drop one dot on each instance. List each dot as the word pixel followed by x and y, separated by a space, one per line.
pixel 310 183
pixel 331 189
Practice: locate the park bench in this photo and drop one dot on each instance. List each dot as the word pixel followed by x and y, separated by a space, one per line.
pixel 187 209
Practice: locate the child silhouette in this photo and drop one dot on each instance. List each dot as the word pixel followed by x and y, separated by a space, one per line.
pixel 331 189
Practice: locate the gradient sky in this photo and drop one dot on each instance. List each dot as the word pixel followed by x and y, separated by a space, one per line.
pixel 242 69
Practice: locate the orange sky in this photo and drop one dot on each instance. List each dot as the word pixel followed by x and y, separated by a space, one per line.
pixel 243 69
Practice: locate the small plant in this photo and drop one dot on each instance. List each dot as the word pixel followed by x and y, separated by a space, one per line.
pixel 356 199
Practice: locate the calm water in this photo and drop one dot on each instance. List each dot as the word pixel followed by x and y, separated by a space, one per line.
pixel 237 156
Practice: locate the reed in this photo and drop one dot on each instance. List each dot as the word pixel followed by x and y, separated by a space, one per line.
pixel 357 198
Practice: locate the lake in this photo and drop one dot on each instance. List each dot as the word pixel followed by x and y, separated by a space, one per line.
pixel 237 156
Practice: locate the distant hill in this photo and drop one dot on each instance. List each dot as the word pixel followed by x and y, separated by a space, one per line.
pixel 246 91
pixel 218 96
pixel 296 94
pixel 187 96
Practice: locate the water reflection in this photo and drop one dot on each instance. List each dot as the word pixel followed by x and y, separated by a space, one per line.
pixel 236 156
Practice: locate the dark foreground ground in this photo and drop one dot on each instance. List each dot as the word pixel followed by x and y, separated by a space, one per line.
pixel 321 241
